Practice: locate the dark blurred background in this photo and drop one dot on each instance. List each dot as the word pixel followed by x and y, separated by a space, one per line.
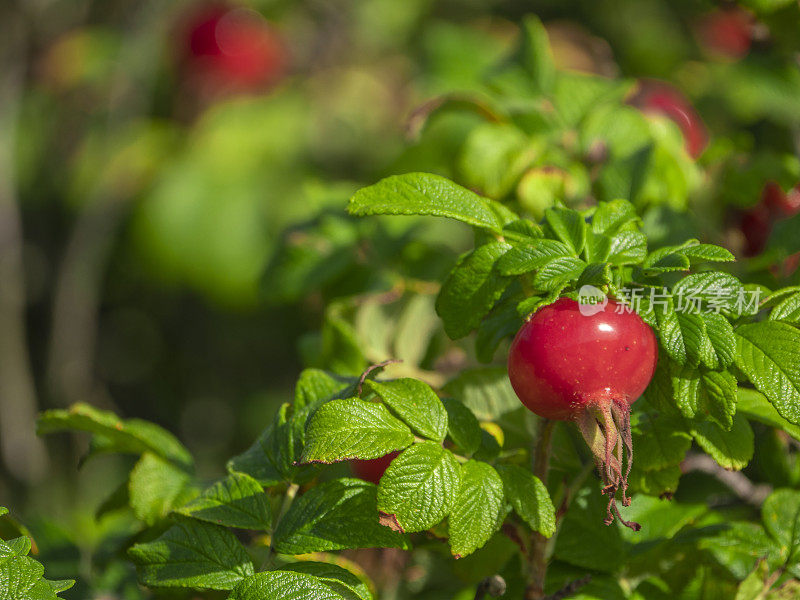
pixel 156 156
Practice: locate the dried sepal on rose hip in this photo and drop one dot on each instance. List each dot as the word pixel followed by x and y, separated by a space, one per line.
pixel 587 366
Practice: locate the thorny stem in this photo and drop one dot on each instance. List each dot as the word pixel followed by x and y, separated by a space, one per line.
pixel 538 558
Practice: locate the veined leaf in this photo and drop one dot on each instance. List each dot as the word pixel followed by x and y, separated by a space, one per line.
pixel 415 403
pixel 471 289
pixel 427 194
pixel 156 487
pixel 419 488
pixel 352 428
pixel 192 554
pixel 478 510
pixel 569 226
pixel 732 449
pixel 766 353
pixel 126 436
pixel 290 585
pixel 238 500
pixel 529 257
pixel 462 426
pixel 334 515
pixel 529 498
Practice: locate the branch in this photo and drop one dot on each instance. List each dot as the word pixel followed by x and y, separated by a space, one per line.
pixel 538 558
pixel 739 484
pixel 569 589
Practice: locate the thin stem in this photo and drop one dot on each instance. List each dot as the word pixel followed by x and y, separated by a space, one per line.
pixel 538 554
pixel 288 498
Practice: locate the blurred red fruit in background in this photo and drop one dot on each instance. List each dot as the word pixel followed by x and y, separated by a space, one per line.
pixel 372 470
pixel 232 49
pixel 727 32
pixel 657 97
pixel 756 223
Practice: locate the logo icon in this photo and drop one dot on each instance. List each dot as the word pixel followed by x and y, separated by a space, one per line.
pixel 591 300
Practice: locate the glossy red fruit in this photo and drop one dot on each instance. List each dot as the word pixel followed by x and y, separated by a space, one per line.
pixel 661 98
pixel 372 470
pixel 233 48
pixel 562 361
pixel 569 364
pixel 727 32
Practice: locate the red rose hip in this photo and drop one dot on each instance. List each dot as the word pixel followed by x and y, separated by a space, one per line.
pixel 588 366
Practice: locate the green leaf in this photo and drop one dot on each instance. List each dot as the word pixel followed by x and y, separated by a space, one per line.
pixel 720 333
pixel 732 449
pixel 192 554
pixel 788 310
pixel 333 575
pixel 656 482
pixel 781 516
pixel 739 546
pixel 569 226
pixel 289 585
pixel 19 546
pixel 419 488
pixel 494 156
pixel 660 442
pixel 660 519
pixel 502 322
pixel 478 511
pixel 236 501
pixel 611 217
pixel 557 272
pixel 471 289
pixel 132 436
pixel 316 385
pixel 699 349
pixel 272 457
pixel 416 326
pixel 529 257
pixel 22 578
pixel 352 428
pixel 156 487
pixel 596 274
pixel 712 288
pixel 720 396
pixel 415 403
pixel 583 539
pixel 756 407
pixel 462 426
pixel 529 498
pixel 522 231
pixel 661 262
pixel 530 70
pixel 334 515
pixel 627 248
pixel 706 253
pixel 427 194
pixel 766 353
pixel 486 391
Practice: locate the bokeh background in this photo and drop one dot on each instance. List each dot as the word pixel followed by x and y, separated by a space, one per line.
pixel 173 177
